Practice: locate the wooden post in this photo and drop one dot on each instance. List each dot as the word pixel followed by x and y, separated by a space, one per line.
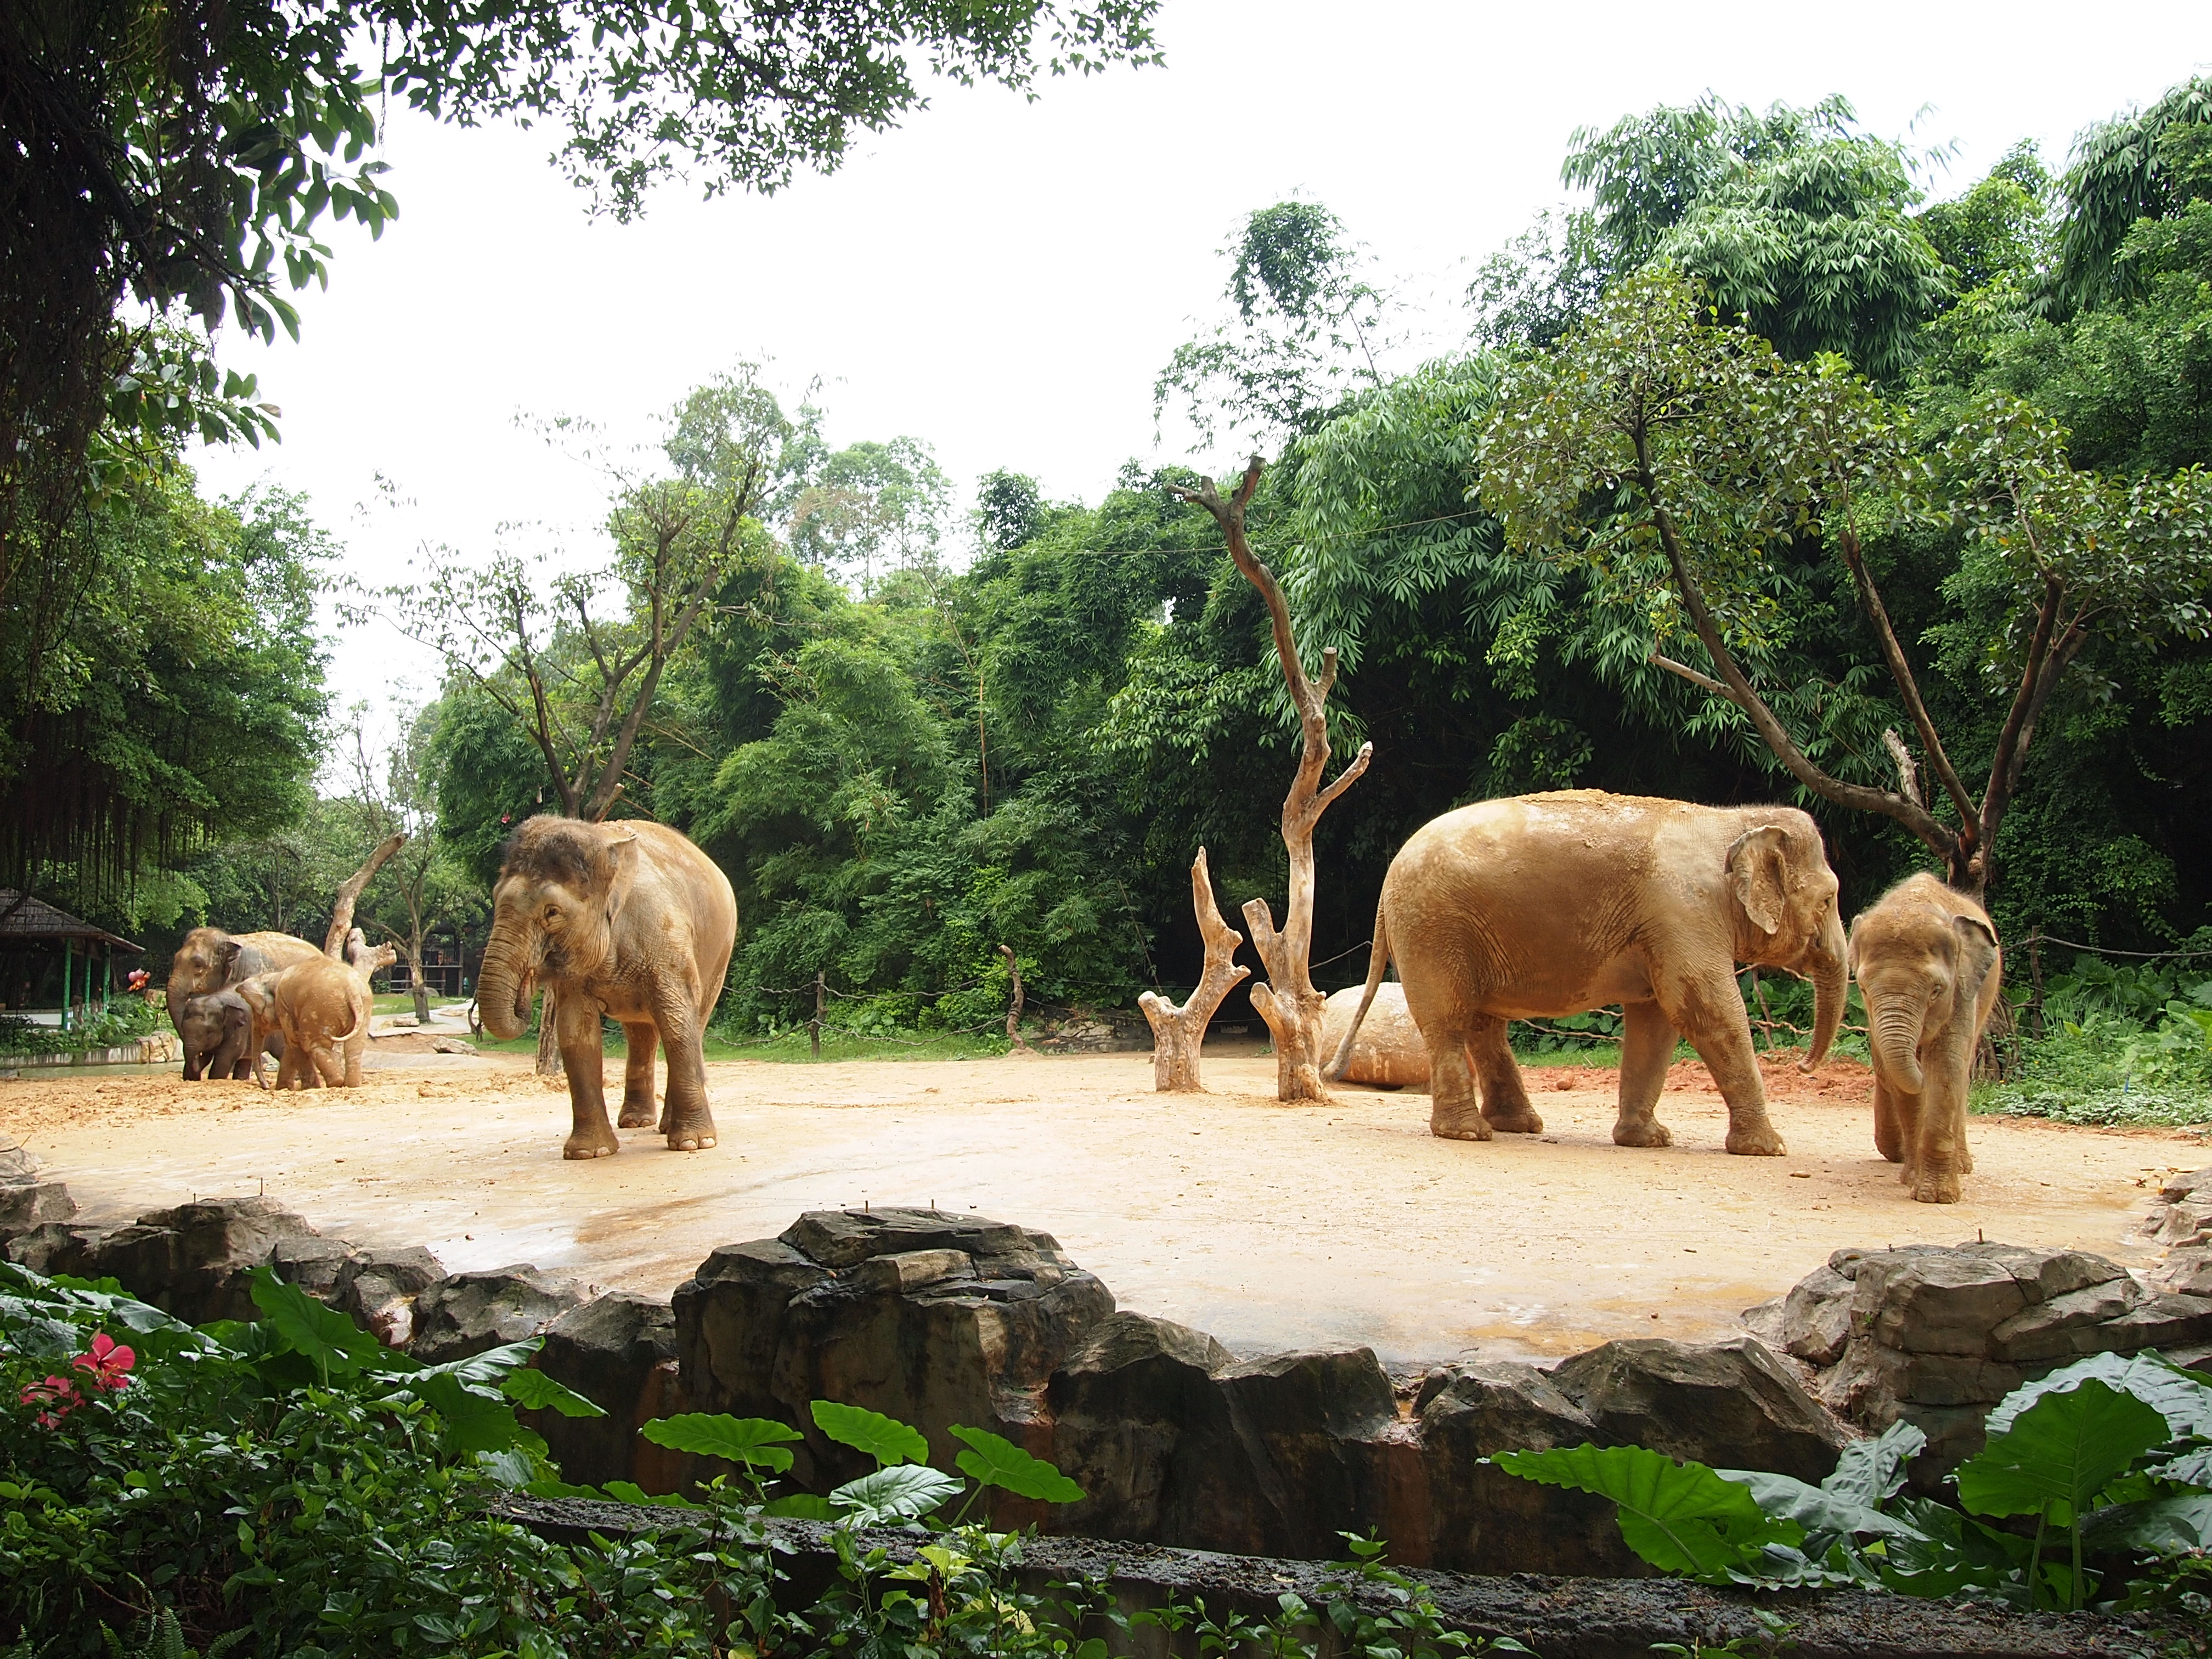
pixel 1014 1043
pixel 69 970
pixel 814 1025
pixel 2035 978
pixel 1288 1001
pixel 1178 1034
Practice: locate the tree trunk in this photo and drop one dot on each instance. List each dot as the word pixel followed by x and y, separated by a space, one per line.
pixel 349 894
pixel 1014 1043
pixel 1179 1033
pixel 1288 1002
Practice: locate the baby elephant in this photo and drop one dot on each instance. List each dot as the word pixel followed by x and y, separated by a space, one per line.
pixel 217 1029
pixel 322 1008
pixel 1928 964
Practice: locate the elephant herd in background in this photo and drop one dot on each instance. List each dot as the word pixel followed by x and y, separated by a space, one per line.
pixel 1535 907
pixel 235 999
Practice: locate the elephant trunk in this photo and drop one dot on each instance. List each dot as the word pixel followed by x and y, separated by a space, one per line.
pixel 1830 976
pixel 1896 1040
pixel 504 990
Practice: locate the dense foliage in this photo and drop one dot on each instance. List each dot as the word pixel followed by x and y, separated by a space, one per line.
pixel 289 1487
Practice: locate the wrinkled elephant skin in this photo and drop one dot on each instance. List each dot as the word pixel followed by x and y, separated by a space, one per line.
pixel 627 919
pixel 323 1008
pixel 1542 906
pixel 1930 970
pixel 211 960
pixel 217 1030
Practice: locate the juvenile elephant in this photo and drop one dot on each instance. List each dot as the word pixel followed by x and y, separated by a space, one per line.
pixel 323 1008
pixel 217 1030
pixel 630 919
pixel 1930 969
pixel 211 960
pixel 259 994
pixel 1542 906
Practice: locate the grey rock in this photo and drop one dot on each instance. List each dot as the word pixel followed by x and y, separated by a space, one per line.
pixel 53 1248
pixel 28 1204
pixel 377 1288
pixel 1732 1402
pixel 619 1353
pixel 1139 1423
pixel 2161 1320
pixel 1816 1317
pixel 1484 1520
pixel 1870 1379
pixel 870 1308
pixel 1933 1301
pixel 197 1259
pixel 2188 1271
pixel 464 1314
pixel 1319 1428
pixel 2048 1330
pixel 315 1265
pixel 18 1162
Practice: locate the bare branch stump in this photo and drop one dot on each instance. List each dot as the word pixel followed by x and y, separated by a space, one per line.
pixel 1014 1043
pixel 1179 1033
pixel 1288 1002
pixel 349 895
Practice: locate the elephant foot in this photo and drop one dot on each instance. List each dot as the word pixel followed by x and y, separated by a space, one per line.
pixel 1932 1189
pixel 1756 1141
pixel 1649 1132
pixel 691 1131
pixel 689 1140
pixel 603 1145
pixel 1460 1123
pixel 1895 1155
pixel 1525 1123
pixel 637 1117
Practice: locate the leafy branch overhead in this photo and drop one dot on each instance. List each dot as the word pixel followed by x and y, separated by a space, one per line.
pixel 1676 458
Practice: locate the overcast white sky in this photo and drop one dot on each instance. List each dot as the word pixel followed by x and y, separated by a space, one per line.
pixel 1005 279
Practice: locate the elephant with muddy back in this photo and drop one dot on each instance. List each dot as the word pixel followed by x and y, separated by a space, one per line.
pixel 628 919
pixel 1541 906
pixel 1930 969
pixel 210 960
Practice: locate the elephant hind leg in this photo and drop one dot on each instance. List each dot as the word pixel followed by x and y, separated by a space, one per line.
pixel 1455 1108
pixel 1504 1096
pixel 640 1037
pixel 1647 1045
pixel 686 1118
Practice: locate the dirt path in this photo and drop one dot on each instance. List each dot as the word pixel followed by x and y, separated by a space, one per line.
pixel 1270 1226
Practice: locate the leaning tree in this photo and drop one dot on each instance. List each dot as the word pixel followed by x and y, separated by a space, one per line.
pixel 1288 1001
pixel 1675 456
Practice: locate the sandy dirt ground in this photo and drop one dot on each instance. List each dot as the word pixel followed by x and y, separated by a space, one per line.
pixel 1272 1226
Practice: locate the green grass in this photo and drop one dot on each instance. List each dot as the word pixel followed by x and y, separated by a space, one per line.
pixel 405 1004
pixel 793 1046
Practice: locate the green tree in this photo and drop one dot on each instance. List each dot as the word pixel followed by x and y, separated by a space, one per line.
pixel 871 507
pixel 1795 219
pixel 1711 452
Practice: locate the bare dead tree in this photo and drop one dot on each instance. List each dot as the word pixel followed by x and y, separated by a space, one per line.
pixel 1288 1001
pixel 1179 1033
pixel 1014 1004
pixel 334 941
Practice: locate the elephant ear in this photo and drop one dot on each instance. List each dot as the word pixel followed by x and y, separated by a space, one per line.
pixel 225 960
pixel 1978 954
pixel 1758 874
pixel 622 857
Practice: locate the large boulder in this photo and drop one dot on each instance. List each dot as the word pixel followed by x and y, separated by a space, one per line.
pixel 1935 1335
pixel 30 1203
pixel 377 1288
pixel 1317 1428
pixel 931 1318
pixel 619 1353
pixel 1389 1050
pixel 465 1314
pixel 197 1259
pixel 1731 1403
pixel 1483 1520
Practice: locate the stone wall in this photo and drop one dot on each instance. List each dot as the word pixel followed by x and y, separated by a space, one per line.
pixel 943 1320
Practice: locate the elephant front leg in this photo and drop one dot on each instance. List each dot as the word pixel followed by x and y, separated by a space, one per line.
pixel 1940 1144
pixel 1504 1096
pixel 583 1057
pixel 685 1118
pixel 639 1036
pixel 1712 1015
pixel 1647 1047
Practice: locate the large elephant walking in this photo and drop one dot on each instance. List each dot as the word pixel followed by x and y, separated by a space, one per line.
pixel 1542 906
pixel 628 919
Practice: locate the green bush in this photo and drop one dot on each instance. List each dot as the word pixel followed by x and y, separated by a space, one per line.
pixel 124 1021
pixel 2120 1045
pixel 289 1487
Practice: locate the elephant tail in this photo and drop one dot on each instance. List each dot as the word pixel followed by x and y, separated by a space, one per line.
pixel 1378 960
pixel 360 1015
